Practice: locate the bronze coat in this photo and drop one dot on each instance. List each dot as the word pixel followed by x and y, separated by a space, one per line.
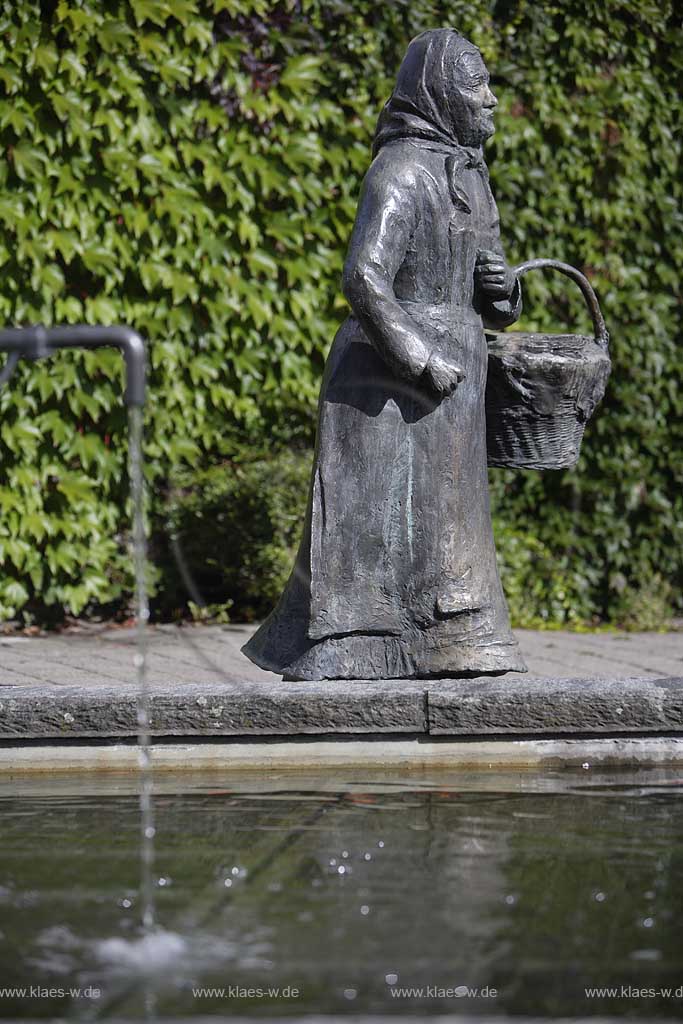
pixel 396 573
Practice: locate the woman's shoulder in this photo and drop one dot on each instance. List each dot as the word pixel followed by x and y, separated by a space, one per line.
pixel 398 165
pixel 403 163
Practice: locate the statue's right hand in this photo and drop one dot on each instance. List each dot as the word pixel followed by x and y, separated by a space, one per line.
pixel 442 376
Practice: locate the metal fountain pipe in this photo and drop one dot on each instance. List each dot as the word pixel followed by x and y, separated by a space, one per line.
pixel 36 342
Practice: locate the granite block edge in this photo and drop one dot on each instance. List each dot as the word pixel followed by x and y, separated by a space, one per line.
pixel 553 706
pixel 483 706
pixel 213 709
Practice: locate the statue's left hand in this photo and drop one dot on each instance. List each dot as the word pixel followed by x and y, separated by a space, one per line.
pixel 493 276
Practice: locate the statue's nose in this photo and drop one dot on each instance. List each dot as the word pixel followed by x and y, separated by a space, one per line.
pixel 491 98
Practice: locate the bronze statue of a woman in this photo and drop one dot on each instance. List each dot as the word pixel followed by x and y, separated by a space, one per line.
pixel 396 574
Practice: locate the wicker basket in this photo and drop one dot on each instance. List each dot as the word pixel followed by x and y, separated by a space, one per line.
pixel 542 388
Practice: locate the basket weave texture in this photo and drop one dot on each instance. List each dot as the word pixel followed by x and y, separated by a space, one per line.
pixel 541 390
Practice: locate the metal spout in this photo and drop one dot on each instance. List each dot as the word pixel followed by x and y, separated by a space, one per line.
pixel 37 342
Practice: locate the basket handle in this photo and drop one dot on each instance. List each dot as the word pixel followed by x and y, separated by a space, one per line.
pixel 601 334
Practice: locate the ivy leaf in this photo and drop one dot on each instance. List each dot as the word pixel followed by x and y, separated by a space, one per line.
pixel 28 161
pixel 156 11
pixel 302 73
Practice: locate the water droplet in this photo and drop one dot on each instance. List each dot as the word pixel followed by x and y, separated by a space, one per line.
pixel 202 701
pixel 599 897
pixel 150 832
pixel 586 764
pixel 510 899
pixel 365 910
pixel 367 856
pixel 138 660
pixel 391 979
pixel 646 954
pixel 341 869
pixel 227 883
pixel 461 991
pixel 234 871
pixel 126 903
pixel 619 711
pixel 333 862
pixel 648 922
pixel 345 854
pixel 350 993
pixel 164 881
pixel 381 844
pixel 68 717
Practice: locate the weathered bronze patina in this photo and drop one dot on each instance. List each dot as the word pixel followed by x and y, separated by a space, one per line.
pixel 396 573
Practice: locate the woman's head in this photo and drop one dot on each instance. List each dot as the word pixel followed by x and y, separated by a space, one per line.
pixel 442 93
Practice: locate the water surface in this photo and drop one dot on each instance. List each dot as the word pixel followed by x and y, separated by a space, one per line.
pixel 472 893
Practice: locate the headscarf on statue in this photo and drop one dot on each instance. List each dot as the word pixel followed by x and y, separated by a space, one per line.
pixel 421 107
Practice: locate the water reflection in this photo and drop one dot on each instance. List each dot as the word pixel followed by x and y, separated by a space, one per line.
pixel 486 895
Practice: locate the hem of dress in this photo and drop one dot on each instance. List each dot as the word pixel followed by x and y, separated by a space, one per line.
pixel 513 664
pixel 251 651
pixel 385 657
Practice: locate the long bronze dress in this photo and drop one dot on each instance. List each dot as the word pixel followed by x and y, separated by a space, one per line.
pixel 396 574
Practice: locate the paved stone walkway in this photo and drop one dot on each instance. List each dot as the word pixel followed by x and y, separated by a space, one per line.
pixel 212 654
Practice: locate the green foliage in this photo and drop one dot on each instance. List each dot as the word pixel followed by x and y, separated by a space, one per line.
pixel 541 587
pixel 228 534
pixel 644 606
pixel 191 167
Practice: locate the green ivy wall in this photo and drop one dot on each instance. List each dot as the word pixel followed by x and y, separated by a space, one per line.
pixel 191 168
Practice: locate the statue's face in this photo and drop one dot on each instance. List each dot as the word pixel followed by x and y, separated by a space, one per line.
pixel 473 101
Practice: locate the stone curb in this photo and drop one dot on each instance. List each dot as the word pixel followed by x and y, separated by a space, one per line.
pixel 213 709
pixel 504 706
pixel 500 706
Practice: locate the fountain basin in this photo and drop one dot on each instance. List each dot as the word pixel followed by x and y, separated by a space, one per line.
pixel 348 894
